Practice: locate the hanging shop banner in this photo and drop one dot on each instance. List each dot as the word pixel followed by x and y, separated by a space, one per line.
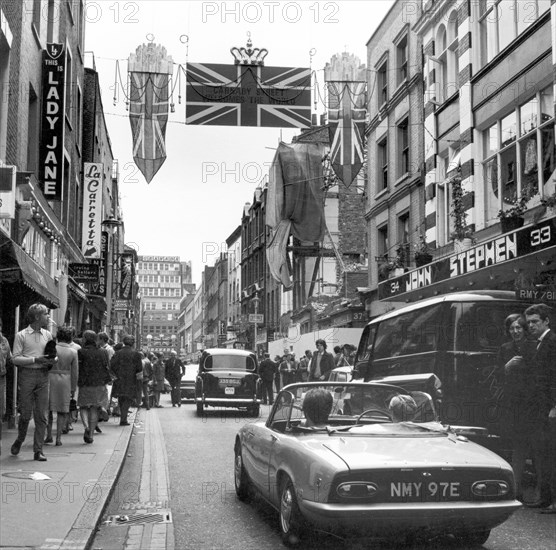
pixel 509 246
pixel 83 273
pixel 51 151
pixel 99 287
pixel 150 69
pixel 347 128
pixel 245 95
pixel 92 209
pixel 7 191
pixel 127 276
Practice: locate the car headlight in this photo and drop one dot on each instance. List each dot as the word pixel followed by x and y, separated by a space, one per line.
pixel 357 489
pixel 490 488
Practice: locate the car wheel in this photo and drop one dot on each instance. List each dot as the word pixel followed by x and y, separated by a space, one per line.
pixel 474 538
pixel 254 410
pixel 200 409
pixel 291 520
pixel 241 480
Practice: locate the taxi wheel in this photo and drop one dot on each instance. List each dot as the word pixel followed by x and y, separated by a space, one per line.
pixel 241 480
pixel 200 409
pixel 254 410
pixel 473 538
pixel 291 521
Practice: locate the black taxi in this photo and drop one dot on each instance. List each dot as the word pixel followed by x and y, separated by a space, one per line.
pixel 228 378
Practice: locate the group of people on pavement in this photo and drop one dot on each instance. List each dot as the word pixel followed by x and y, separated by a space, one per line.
pixel 313 366
pixel 56 375
pixel 527 366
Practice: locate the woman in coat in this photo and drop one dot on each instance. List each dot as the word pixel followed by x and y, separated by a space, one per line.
pixel 63 381
pixel 93 377
pixel 159 372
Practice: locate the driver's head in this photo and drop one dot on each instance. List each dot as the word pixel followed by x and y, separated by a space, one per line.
pixel 317 406
pixel 402 408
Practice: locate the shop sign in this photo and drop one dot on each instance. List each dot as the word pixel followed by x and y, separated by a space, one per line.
pixel 83 272
pixel 127 275
pixel 51 151
pixel 99 288
pixel 494 252
pixel 122 305
pixel 261 337
pixel 92 209
pixel 256 318
pixel 536 295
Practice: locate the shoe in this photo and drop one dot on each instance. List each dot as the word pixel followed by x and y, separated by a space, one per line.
pixel 125 424
pixel 179 404
pixel 49 440
pixel 40 457
pixel 87 436
pixel 70 428
pixel 98 430
pixel 58 443
pixel 550 509
pixel 65 431
pixel 16 447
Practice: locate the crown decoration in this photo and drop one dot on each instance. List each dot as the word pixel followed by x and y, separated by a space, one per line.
pixel 249 55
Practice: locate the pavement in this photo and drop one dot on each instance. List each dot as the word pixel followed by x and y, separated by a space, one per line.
pixel 58 504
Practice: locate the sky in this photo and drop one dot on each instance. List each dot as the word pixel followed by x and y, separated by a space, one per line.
pixel 196 200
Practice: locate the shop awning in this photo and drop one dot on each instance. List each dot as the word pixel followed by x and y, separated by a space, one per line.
pixel 75 289
pixel 17 266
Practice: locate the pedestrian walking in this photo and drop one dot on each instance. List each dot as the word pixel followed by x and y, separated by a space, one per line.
pixel 174 371
pixel 74 412
pixel 277 361
pixel 518 408
pixel 267 370
pixel 322 362
pixel 147 377
pixel 303 367
pixel 29 356
pixel 63 382
pixel 93 376
pixel 538 321
pixel 128 368
pixel 288 368
pixel 5 363
pixel 159 373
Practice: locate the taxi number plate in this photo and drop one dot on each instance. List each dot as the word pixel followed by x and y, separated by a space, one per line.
pixel 434 489
pixel 229 391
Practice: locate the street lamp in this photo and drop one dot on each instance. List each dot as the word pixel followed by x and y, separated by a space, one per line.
pixel 112 224
pixel 255 301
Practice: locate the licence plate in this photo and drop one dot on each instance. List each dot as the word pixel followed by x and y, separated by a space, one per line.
pixel 230 381
pixel 428 490
pixel 229 391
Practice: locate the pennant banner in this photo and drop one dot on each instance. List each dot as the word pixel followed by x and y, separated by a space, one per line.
pixel 245 95
pixel 149 77
pixel 347 128
pixel 127 276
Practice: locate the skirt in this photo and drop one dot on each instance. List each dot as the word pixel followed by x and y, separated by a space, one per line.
pixel 92 396
pixel 60 392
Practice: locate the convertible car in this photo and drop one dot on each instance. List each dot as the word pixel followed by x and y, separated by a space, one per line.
pixel 365 473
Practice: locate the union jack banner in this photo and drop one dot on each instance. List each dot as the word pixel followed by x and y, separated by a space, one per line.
pixel 148 114
pixel 346 119
pixel 245 95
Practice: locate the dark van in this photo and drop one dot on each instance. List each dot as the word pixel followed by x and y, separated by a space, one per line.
pixel 456 337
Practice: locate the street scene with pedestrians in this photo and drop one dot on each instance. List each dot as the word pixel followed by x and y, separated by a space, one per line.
pixel 277 274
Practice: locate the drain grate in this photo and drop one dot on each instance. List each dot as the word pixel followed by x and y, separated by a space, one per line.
pixel 162 516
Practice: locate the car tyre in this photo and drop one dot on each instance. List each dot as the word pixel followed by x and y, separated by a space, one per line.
pixel 291 520
pixel 473 538
pixel 241 479
pixel 254 411
pixel 200 409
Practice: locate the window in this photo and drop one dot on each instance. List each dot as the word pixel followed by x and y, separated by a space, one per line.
pixel 403 147
pixel 69 84
pixel 382 164
pixel 501 21
pixel 33 131
pixel 382 241
pixel 78 115
pixel 382 83
pixel 401 51
pixel 519 153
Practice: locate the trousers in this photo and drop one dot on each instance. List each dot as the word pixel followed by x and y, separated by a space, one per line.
pixel 33 400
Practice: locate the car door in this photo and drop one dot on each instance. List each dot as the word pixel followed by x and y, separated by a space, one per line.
pixel 259 440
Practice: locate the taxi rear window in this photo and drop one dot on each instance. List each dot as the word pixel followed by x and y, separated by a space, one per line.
pixel 230 362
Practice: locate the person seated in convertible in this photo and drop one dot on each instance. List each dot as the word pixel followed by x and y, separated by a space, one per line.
pixel 402 408
pixel 316 407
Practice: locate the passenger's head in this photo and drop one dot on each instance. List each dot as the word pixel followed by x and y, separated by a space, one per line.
pixel 317 406
pixel 337 349
pixel 402 407
pixel 538 319
pixel 89 337
pixel 516 326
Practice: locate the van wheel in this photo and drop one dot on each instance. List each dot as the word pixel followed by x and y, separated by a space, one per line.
pixel 200 409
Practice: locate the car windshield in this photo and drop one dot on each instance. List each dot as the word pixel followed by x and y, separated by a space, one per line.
pixel 354 408
pixel 229 362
